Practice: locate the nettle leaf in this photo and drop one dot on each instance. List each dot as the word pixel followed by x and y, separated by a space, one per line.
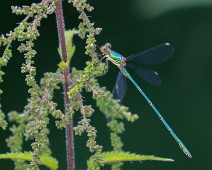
pixel 114 157
pixel 70 47
pixel 46 160
pixel 63 65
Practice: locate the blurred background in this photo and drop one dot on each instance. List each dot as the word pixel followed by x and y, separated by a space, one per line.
pixel 184 98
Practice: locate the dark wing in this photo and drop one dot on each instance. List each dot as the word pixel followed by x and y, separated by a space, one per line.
pixel 155 55
pixel 150 76
pixel 120 87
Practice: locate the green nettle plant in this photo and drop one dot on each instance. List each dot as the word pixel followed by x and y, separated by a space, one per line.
pixel 31 124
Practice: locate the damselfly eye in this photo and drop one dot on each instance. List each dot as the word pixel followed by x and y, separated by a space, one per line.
pixel 103 49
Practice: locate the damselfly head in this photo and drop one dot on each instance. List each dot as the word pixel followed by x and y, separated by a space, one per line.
pixel 105 48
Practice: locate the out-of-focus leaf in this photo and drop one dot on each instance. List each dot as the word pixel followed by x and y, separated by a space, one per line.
pixel 154 8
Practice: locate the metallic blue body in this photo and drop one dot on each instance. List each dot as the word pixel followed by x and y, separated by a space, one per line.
pixel 116 59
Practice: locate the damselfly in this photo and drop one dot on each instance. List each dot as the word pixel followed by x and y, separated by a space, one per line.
pixel 155 55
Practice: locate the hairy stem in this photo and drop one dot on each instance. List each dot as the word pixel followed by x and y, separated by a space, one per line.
pixel 67 102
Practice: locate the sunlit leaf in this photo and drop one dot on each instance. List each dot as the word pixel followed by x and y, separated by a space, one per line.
pixel 46 160
pixel 114 157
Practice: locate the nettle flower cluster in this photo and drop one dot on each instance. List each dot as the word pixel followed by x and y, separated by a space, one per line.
pixel 32 123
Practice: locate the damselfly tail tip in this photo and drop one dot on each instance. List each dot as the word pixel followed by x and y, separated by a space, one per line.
pixel 185 150
pixel 189 155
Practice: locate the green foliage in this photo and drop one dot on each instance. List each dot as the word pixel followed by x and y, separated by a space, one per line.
pixel 113 157
pixel 15 141
pixel 86 27
pixel 64 65
pixel 46 160
pixel 69 34
pixel 113 111
pixel 3 123
pixel 32 123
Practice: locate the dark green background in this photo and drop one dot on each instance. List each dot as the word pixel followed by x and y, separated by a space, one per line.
pixel 184 98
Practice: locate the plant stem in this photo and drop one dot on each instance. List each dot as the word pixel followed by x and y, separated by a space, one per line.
pixel 66 74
